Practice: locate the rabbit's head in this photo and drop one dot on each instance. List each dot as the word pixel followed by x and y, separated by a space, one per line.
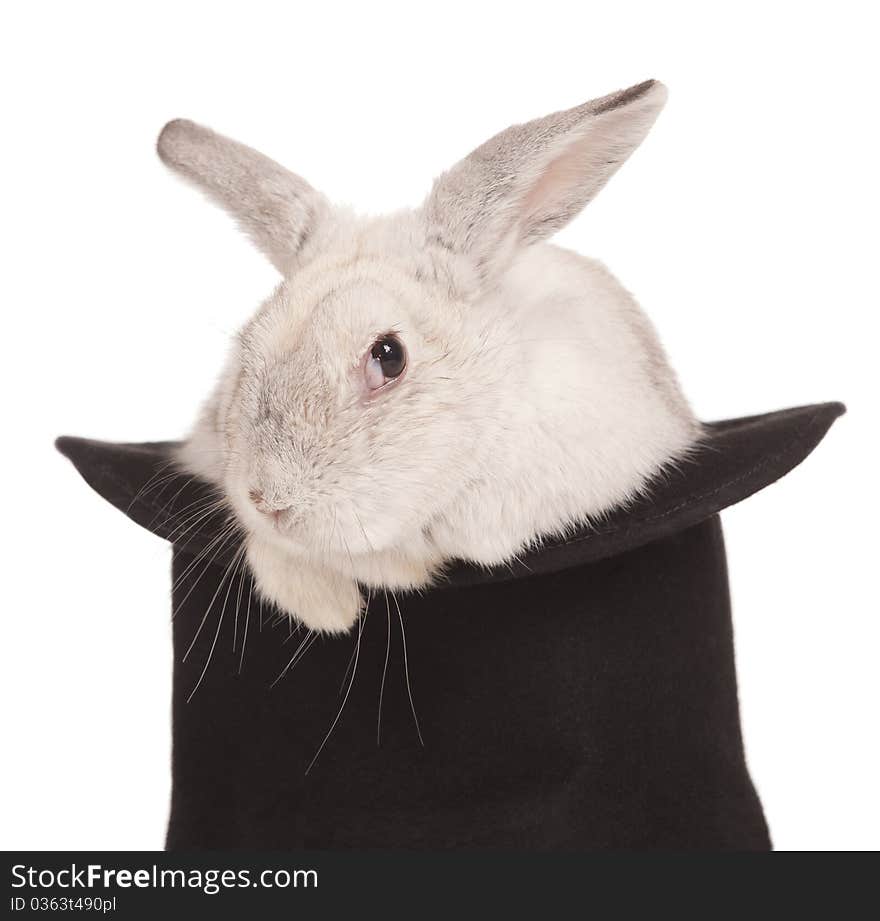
pixel 368 387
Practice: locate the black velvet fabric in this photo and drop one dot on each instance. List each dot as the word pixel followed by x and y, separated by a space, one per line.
pixel 583 698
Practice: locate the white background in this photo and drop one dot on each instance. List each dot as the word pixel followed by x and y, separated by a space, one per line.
pixel 746 225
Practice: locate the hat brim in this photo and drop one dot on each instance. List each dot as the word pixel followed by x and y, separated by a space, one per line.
pixel 736 458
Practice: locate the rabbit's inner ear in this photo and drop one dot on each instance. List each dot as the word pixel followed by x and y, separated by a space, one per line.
pixel 528 181
pixel 276 208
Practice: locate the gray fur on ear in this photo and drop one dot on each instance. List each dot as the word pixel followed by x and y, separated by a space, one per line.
pixel 528 181
pixel 275 207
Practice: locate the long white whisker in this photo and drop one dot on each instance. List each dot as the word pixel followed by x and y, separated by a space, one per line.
pixel 247 620
pixel 170 502
pixel 190 515
pixel 242 565
pixel 348 691
pixel 301 650
pixel 406 670
pixel 384 671
pixel 347 670
pixel 223 539
pixel 229 572
pixel 160 474
pixel 224 533
pixel 208 610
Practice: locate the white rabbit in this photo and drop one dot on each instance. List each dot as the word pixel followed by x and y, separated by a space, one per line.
pixel 434 384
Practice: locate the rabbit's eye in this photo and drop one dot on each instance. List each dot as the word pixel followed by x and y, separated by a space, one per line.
pixel 385 363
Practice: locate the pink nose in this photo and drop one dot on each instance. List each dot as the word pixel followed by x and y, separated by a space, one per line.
pixel 258 498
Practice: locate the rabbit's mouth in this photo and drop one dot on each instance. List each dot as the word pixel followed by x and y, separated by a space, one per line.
pixel 280 519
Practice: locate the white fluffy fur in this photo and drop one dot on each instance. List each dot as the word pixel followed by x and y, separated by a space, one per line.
pixel 536 396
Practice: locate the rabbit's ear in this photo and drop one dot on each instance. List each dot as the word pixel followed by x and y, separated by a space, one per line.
pixel 528 181
pixel 275 207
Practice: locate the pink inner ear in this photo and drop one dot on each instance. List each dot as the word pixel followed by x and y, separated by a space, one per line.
pixel 575 171
pixel 566 184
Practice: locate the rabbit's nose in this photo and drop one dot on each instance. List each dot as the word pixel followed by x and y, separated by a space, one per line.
pixel 275 511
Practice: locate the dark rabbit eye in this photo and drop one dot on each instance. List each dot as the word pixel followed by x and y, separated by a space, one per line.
pixel 386 361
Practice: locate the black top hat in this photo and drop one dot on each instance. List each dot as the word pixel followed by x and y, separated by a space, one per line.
pixel 582 697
